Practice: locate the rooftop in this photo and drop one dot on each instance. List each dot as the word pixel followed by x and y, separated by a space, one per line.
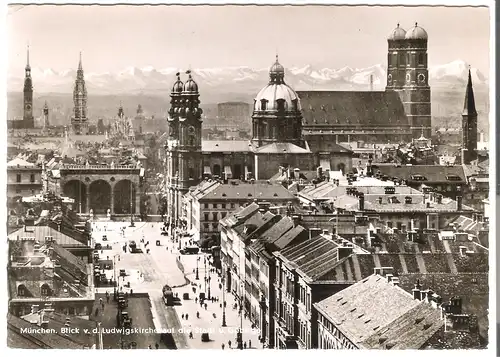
pixel 430 173
pixel 372 306
pixel 248 191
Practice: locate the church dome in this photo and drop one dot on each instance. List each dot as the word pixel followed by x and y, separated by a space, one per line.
pixel 397 34
pixel 277 95
pixel 190 85
pixel 416 33
pixel 178 85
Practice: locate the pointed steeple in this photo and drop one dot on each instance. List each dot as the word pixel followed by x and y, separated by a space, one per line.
pixel 80 67
pixel 469 103
pixel 28 58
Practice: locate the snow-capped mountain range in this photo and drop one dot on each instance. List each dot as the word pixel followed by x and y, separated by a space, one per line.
pixel 237 79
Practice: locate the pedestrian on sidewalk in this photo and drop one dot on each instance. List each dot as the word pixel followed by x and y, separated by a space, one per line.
pixel 191 334
pixel 157 345
pixel 150 347
pixel 182 316
pixel 229 343
pixel 223 345
pixel 244 345
pixel 205 306
pixel 187 316
pixel 195 300
pixel 249 343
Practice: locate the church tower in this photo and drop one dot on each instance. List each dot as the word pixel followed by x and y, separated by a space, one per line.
pixel 28 119
pixel 469 125
pixel 408 75
pixel 79 121
pixel 183 148
pixel 45 116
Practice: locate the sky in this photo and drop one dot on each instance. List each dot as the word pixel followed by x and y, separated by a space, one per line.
pixel 112 38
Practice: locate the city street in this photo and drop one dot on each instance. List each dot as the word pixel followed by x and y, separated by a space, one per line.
pixel 148 273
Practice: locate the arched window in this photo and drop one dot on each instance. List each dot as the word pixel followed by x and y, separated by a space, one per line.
pixel 263 104
pixel 216 170
pixel 21 290
pixel 280 105
pixel 421 58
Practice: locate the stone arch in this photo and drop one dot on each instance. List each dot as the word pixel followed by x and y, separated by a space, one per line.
pixel 100 196
pixel 341 167
pixel 77 190
pixel 124 193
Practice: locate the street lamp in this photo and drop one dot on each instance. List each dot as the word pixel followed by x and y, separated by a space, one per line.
pixel 205 262
pixel 197 275
pixel 223 302
pixel 239 335
pixel 131 206
pixel 115 285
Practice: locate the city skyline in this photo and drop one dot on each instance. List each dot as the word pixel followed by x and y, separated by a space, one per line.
pixel 212 37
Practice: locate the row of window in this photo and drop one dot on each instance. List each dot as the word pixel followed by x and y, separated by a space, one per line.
pixel 305 298
pixel 304 334
pixel 216 216
pixel 206 226
pixel 219 205
pixel 45 290
pixel 19 178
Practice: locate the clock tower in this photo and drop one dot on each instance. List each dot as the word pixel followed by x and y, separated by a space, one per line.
pixel 28 119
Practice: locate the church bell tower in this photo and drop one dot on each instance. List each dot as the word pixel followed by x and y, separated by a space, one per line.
pixel 28 119
pixel 469 125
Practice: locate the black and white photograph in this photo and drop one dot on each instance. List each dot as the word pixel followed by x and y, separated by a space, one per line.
pixel 249 176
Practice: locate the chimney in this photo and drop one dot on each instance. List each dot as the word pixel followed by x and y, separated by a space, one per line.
pixel 395 281
pixel 344 251
pixel 361 199
pixel 314 232
pixel 325 232
pixel 296 220
pixel 428 297
pixel 319 172
pixel 459 203
pixel 296 173
pixel 416 291
pixel 386 270
pixel 376 271
pixel 389 277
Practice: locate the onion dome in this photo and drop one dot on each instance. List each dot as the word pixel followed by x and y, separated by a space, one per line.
pixel 190 85
pixel 277 72
pixel 178 85
pixel 277 95
pixel 416 33
pixel 397 34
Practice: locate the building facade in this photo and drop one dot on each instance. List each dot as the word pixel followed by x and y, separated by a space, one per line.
pixel 23 178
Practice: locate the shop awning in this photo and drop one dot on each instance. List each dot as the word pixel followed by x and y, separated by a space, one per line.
pixel 207 171
pixel 325 164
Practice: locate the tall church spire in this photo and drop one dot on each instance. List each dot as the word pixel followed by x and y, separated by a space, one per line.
pixel 469 103
pixel 469 125
pixel 79 121
pixel 80 62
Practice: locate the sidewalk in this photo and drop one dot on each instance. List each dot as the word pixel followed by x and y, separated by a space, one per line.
pixel 207 322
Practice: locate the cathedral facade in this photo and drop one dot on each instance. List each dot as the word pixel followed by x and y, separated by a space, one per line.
pixel 398 114
pixel 277 141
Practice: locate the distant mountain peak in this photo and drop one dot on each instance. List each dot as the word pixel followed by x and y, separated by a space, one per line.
pixel 239 79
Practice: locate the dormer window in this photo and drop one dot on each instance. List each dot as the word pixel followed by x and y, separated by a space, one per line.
pixel 45 290
pixel 263 104
pixel 280 105
pixel 21 290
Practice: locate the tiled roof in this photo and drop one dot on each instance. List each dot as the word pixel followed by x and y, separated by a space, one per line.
pixel 283 241
pixel 249 191
pixel 238 217
pixel 280 148
pixel 278 229
pixel 204 188
pixel 20 162
pixel 71 259
pixel 313 257
pixel 226 146
pixel 40 232
pixel 358 109
pixel 410 330
pixel 468 224
pixel 363 309
pixel 432 173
